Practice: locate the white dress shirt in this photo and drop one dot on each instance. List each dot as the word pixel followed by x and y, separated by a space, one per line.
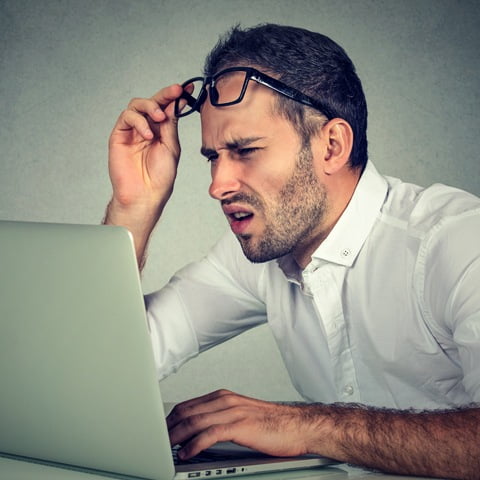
pixel 387 313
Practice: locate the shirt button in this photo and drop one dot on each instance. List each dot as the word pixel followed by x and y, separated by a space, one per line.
pixel 348 390
pixel 345 252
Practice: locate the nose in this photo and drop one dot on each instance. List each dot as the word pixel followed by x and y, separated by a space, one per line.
pixel 225 179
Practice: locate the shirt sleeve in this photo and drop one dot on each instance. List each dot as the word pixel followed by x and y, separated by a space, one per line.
pixel 204 304
pixel 452 293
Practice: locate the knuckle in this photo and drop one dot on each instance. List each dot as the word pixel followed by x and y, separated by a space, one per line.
pixel 129 116
pixel 193 421
pixel 224 394
pixel 176 414
pixel 224 391
pixel 216 433
pixel 182 410
pixel 133 102
pixel 231 400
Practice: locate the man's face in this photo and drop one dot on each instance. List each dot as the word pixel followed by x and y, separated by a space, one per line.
pixel 263 176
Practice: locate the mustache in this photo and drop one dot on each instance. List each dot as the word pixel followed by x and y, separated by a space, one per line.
pixel 243 198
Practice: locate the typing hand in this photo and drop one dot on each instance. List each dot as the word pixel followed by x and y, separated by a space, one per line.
pixel 271 428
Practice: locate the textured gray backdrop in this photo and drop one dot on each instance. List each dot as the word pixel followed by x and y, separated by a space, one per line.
pixel 67 69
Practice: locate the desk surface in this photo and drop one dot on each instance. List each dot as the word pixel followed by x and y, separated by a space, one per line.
pixel 17 470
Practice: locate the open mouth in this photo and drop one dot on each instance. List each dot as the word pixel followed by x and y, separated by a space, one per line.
pixel 239 216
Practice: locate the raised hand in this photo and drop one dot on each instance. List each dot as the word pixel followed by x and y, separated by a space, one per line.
pixel 143 157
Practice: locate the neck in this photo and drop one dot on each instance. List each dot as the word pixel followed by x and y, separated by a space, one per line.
pixel 338 197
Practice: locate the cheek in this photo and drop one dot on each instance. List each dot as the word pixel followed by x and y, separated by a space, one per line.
pixel 268 190
pixel 271 174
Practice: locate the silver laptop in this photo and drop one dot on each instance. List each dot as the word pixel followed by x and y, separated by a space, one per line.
pixel 77 376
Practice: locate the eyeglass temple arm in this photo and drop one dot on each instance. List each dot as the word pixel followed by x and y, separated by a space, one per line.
pixel 284 91
pixel 292 93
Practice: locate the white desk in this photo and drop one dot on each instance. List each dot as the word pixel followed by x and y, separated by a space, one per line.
pixel 17 470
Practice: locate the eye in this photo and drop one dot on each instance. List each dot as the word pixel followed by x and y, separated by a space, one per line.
pixel 244 152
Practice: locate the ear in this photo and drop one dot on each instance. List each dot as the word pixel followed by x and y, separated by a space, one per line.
pixel 337 139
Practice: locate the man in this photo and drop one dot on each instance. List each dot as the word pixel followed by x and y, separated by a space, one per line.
pixel 370 285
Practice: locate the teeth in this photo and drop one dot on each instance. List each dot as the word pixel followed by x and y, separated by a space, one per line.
pixel 240 215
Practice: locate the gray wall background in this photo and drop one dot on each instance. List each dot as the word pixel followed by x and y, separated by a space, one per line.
pixel 67 69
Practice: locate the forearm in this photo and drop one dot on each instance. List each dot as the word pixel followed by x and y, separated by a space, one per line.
pixel 438 444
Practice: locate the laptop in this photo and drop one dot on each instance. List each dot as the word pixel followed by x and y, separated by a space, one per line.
pixel 78 381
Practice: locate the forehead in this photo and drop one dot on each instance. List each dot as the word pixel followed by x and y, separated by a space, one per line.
pixel 252 116
pixel 234 79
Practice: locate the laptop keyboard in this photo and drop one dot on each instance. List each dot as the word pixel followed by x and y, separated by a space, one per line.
pixel 202 457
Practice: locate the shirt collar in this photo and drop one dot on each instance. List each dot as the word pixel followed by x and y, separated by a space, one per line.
pixel 353 227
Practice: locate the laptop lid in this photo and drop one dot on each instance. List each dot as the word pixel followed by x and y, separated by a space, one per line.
pixel 77 375
pixel 76 366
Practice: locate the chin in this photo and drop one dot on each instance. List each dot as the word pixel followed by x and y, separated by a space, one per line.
pixel 259 253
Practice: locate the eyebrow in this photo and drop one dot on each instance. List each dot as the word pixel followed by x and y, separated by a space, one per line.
pixel 231 146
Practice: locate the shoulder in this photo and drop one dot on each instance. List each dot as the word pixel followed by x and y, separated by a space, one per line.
pixel 424 211
pixel 442 227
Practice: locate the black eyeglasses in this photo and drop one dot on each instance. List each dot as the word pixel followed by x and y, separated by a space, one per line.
pixel 222 97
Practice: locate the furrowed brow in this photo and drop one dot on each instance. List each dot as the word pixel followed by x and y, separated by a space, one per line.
pixel 233 145
pixel 241 142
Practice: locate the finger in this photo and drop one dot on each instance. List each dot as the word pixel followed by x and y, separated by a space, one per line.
pixel 131 120
pixel 196 424
pixel 148 107
pixel 207 438
pixel 167 95
pixel 168 129
pixel 203 399
pixel 210 402
pixel 186 97
pixel 151 108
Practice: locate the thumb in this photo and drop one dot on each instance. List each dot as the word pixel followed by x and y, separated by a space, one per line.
pixel 169 130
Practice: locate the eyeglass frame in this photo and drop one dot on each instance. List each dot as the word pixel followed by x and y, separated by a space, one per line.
pixel 251 74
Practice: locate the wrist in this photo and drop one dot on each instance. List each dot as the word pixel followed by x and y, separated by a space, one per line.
pixel 140 220
pixel 138 217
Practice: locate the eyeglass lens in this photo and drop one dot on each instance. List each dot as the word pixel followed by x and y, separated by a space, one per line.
pixel 228 88
pixel 221 91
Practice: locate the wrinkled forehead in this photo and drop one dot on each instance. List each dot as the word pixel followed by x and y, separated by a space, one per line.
pixel 235 77
pixel 249 118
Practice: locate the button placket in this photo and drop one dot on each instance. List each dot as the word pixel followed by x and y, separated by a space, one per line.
pixel 325 286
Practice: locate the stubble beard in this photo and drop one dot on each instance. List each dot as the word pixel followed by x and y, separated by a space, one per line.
pixel 300 207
